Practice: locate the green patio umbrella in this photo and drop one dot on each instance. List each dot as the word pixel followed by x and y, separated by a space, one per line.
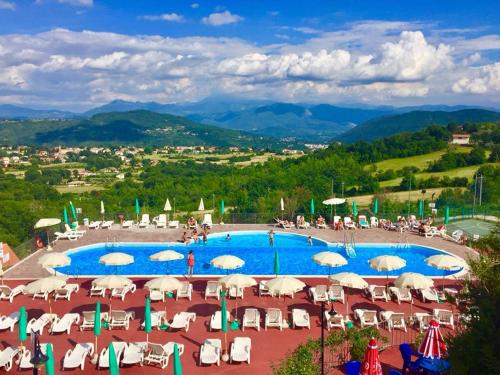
pixel 421 208
pixel 177 361
pixel 49 365
pixel 311 206
pixel 221 207
pixel 447 215
pixel 223 315
pixel 147 318
pixel 65 216
pixel 375 206
pixel 97 323
pixel 23 323
pixel 276 263
pixel 354 209
pixel 113 363
pixel 137 208
pixel 73 210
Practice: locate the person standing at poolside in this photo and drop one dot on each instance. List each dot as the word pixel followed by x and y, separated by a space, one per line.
pixel 310 240
pixel 190 263
pixel 271 237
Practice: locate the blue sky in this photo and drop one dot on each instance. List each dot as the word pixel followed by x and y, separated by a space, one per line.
pixel 75 54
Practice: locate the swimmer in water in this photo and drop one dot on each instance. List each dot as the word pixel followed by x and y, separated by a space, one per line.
pixel 310 241
pixel 228 237
pixel 271 237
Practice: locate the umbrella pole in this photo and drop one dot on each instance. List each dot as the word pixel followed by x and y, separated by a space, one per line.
pixel 50 307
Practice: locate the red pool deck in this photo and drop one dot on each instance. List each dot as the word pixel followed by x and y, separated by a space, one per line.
pixel 268 347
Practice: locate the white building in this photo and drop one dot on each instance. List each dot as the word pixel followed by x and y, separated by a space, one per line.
pixel 461 139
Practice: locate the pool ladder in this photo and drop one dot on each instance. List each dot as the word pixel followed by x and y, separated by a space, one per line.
pixel 350 245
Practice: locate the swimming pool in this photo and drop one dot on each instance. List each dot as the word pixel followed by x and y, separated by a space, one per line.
pixel 253 247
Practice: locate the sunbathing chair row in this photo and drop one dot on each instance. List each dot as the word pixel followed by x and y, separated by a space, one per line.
pixel 274 318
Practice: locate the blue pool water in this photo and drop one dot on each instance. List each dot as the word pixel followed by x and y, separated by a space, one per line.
pixel 253 247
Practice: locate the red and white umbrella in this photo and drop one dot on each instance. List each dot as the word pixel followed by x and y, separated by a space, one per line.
pixel 371 364
pixel 433 345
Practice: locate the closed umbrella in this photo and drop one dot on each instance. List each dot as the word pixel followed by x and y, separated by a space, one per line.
pixel 371 364
pixel 53 260
pixel 223 315
pixel 354 209
pixel 167 206
pixel 329 259
pixel 276 263
pixel 375 206
pixel 282 204
pixel 227 262
pixel 421 208
pixel 23 324
pixel 446 263
pixel 284 285
pixel 447 215
pixel 166 256
pixel 65 216
pixel 201 206
pixel 103 211
pixel 137 209
pixel 432 345
pixel 387 263
pixel 311 206
pixel 97 323
pixel 73 210
pixel 221 207
pixel 177 361
pixel 49 365
pixel 349 280
pixel 147 318
pixel 113 363
pixel 116 259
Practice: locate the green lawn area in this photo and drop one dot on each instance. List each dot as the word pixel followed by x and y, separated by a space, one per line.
pixel 78 189
pixel 402 196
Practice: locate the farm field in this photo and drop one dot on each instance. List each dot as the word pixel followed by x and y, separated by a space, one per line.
pixel 415 195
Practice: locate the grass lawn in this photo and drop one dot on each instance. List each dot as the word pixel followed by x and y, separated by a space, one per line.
pixel 78 189
pixel 402 196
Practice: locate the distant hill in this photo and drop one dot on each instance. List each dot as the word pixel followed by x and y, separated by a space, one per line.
pixel 8 111
pixel 134 128
pixel 412 121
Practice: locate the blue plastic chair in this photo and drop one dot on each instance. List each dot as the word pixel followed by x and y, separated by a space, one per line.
pixel 352 367
pixel 394 372
pixel 406 353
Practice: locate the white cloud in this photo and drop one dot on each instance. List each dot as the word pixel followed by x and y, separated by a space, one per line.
pixel 195 5
pixel 169 17
pixel 223 18
pixel 83 3
pixel 484 80
pixel 7 5
pixel 307 30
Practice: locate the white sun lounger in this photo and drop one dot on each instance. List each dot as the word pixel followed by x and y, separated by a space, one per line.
pixel 182 320
pixel 25 357
pixel 159 354
pixel 444 317
pixel 66 291
pixel 336 293
pixel 76 357
pixel 88 319
pixel 64 323
pixel 39 324
pixel 156 295
pixel 319 293
pixel 160 221
pixel 300 318
pixel 240 349
pixel 401 294
pixel 213 289
pixel 366 317
pixel 95 224
pixel 127 224
pixel 216 320
pixel 158 318
pixel 429 294
pixel 210 352
pixel 107 224
pixel 134 353
pixel 7 293
pixel 423 320
pixel 97 291
pixel 9 321
pixel 78 233
pixel 363 222
pixel 274 318
pixel 122 292
pixel 236 292
pixel 144 223
pixel 373 222
pixel 377 292
pixel 348 223
pixel 393 320
pixel 263 289
pixel 118 346
pixel 121 318
pixel 185 291
pixel 207 221
pixel 65 236
pixel 334 321
pixel 251 318
pixel 7 357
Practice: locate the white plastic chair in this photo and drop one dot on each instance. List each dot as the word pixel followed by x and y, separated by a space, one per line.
pixel 216 320
pixel 182 320
pixel 274 318
pixel 210 352
pixel 118 346
pixel 213 289
pixel 64 323
pixel 240 349
pixel 9 321
pixel 7 357
pixel 134 353
pixel 185 291
pixel 39 324
pixel 7 293
pixel 66 291
pixel 300 318
pixel 251 318
pixel 76 357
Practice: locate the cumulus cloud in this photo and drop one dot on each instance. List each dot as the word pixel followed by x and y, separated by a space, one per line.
pixel 169 17
pixel 483 80
pixel 195 5
pixel 223 18
pixel 84 3
pixel 7 5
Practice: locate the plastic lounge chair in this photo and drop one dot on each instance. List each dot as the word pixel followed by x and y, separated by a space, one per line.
pixel 429 294
pixel 97 291
pixel 120 318
pixel 320 225
pixel 423 320
pixel 348 223
pixel 127 224
pixel 66 291
pixel 7 293
pixel 9 321
pixel 251 318
pixel 207 221
pixel 144 223
pixel 336 293
pixel 160 221
pixel 173 224
pixel 377 292
pixel 393 320
pixel 263 289
pixel 334 321
pixel 182 320
pixel 78 233
pixel 118 346
pixel 122 292
pixel 88 319
pixel 300 318
pixel 363 222
pixel 216 320
pixel 240 349
pixel 159 354
pixel 158 318
pixel 25 357
pixel 352 368
pixel 373 222
pixel 302 224
pixel 319 293
pixel 107 224
pixel 213 289
pixel 42 294
pixel 274 318
pixel 134 353
pixel 185 291
pixel 366 317
pixel 65 236
pixel 210 352
pixel 444 317
pixel 76 357
pixel 39 324
pixel 64 323
pixel 236 292
pixel 408 364
pixel 7 357
pixel 156 295
pixel 401 294
pixel 95 224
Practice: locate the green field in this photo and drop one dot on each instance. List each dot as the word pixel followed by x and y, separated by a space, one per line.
pixel 401 196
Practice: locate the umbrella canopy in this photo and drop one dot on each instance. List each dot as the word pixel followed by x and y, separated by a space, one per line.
pixel 116 259
pixel 445 262
pixel 97 319
pixel 227 262
pixel 237 280
pixel 221 207
pixel 65 216
pixel 432 345
pixel 45 285
pixel 276 263
pixel 113 363
pixel 421 207
pixel 447 215
pixel 167 206
pixel 147 316
pixel 284 285
pixel 371 364
pixel 223 310
pixel 329 258
pixel 354 209
pixel 311 207
pixel 164 284
pixel 166 255
pixel 334 201
pixel 23 324
pixel 413 280
pixel 73 210
pixel 137 207
pixel 103 211
pixel 201 206
pixel 112 281
pixel 350 280
pixel 282 205
pixel 49 365
pixel 375 206
pixel 177 361
pixel 52 260
pixel 47 222
pixel 387 263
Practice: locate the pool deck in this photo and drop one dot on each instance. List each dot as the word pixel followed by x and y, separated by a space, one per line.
pixel 29 267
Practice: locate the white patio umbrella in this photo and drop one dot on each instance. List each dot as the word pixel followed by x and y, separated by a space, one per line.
pixel 334 202
pixel 166 256
pixel 227 262
pixel 284 285
pixel 446 262
pixel 112 281
pixel 167 206
pixel 201 206
pixel 53 260
pixel 413 280
pixel 282 204
pixel 116 259
pixel 330 259
pixel 237 280
pixel 45 285
pixel 164 284
pixel 46 223
pixel 349 280
pixel 387 263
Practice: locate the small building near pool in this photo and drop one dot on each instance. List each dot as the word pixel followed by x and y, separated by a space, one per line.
pixel 460 139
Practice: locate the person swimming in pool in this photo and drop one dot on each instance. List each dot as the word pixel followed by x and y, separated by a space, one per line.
pixel 310 240
pixel 271 237
pixel 228 237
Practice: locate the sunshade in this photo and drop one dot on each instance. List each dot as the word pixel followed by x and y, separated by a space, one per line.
pixel 227 262
pixel 334 201
pixel 432 345
pixel 223 310
pixel 201 206
pixel 311 207
pixel 354 209
pixel 329 258
pixel 112 281
pixel 221 207
pixel 23 324
pixel 116 259
pixel 166 255
pixel 421 208
pixel 73 210
pixel 177 361
pixel 413 280
pixel 163 284
pixel 445 262
pixel 113 363
pixel 375 206
pixel 447 215
pixel 65 216
pixel 276 264
pixel 350 280
pixel 387 263
pixel 371 364
pixel 237 280
pixel 47 284
pixel 49 365
pixel 47 222
pixel 103 211
pixel 167 206
pixel 284 285
pixel 282 204
pixel 137 207
pixel 52 260
pixel 97 323
pixel 147 318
